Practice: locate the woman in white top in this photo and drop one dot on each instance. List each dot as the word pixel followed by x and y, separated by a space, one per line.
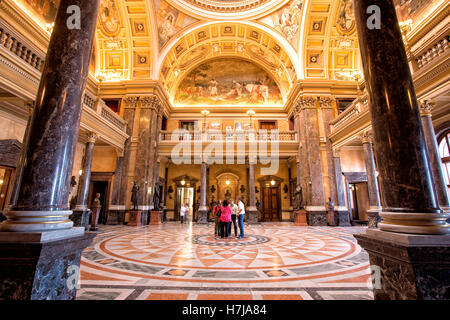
pixel 182 212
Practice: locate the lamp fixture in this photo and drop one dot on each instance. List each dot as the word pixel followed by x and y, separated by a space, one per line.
pixel 1 181
pixel 80 172
pixel 272 182
pixel 227 182
pixel 183 182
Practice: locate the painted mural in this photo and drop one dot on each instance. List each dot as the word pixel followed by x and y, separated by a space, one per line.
pixel 169 21
pixel 109 17
pixel 346 22
pixel 288 19
pixel 228 81
pixel 47 9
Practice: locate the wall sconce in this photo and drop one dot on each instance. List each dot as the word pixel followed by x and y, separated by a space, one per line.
pixel 227 182
pixel 272 182
pixel 1 181
pixel 80 172
pixel 183 182
pixel 285 188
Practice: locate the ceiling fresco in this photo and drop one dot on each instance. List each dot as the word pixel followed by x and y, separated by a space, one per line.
pixel 228 81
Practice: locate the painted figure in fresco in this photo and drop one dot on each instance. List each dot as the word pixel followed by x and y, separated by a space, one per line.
pixel 258 92
pixel 289 20
pixel 167 29
pixel 109 16
pixel 135 195
pixel 213 87
pixel 236 90
pixel 346 16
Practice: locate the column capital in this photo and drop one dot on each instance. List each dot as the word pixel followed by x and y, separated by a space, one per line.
pixel 327 102
pixel 92 137
pixel 305 102
pixel 151 102
pixel 425 107
pixel 366 137
pixel 130 101
pixel 337 153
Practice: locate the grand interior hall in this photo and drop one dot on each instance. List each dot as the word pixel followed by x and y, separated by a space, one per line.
pixel 124 122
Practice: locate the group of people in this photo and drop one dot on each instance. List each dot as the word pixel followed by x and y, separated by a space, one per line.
pixel 225 213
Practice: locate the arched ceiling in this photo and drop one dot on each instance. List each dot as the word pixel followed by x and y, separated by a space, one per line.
pixel 161 40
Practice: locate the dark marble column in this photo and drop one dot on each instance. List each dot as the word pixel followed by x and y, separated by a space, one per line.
pixel 51 141
pixel 80 216
pixel 203 209
pixel 116 209
pixel 251 212
pixel 372 183
pixel 409 252
pixel 408 194
pixel 311 167
pixel 38 244
pixel 433 152
pixel 340 206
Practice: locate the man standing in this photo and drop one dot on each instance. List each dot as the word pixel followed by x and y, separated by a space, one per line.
pixel 241 214
pixel 182 212
pixel 216 214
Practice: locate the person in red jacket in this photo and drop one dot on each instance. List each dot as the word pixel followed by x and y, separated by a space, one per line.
pixel 225 219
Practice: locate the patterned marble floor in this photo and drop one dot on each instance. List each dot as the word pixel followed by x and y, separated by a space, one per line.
pixel 274 261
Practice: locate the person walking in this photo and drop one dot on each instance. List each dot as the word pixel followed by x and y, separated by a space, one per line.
pixel 241 215
pixel 182 212
pixel 234 209
pixel 216 212
pixel 225 219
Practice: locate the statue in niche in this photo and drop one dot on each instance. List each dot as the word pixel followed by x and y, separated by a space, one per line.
pixel 135 195
pixel 227 194
pixel 298 196
pixel 156 198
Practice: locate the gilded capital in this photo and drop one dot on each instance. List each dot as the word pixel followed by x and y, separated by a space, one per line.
pixel 326 102
pixel 366 137
pixel 307 102
pixel 151 102
pixel 92 137
pixel 425 107
pixel 130 101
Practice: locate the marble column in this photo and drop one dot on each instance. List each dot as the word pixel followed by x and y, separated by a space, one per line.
pixel 116 212
pixel 411 248
pixel 251 211
pixel 409 197
pixel 203 209
pixel 340 206
pixel 81 212
pixel 38 242
pixel 372 183
pixel 433 153
pixel 311 166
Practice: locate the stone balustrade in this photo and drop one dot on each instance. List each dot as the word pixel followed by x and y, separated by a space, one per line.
pixel 218 135
pixel 436 50
pixel 356 108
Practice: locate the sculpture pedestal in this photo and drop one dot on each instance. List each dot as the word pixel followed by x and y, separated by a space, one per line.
pixel 202 217
pixel 41 270
pixel 344 218
pixel 115 217
pixel 155 217
pixel 407 266
pixel 331 218
pixel 135 217
pixel 94 220
pixel 300 218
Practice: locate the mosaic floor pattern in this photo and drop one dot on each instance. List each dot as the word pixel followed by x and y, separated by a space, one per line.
pixel 274 261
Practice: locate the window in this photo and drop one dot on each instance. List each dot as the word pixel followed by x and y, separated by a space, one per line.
pixel 444 151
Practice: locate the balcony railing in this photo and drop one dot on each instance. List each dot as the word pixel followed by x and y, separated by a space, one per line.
pixel 358 106
pixel 218 135
pixel 101 108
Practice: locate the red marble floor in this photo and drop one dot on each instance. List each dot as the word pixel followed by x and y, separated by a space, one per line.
pixel 274 261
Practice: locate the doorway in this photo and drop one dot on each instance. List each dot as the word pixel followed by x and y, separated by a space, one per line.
pixel 6 179
pixel 359 202
pixel 271 204
pixel 185 195
pixel 100 183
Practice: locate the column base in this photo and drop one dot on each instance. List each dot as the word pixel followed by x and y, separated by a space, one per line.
pixel 135 218
pixel 251 216
pixel 41 270
pixel 317 218
pixel 155 217
pixel 81 218
pixel 373 218
pixel 115 217
pixel 344 218
pixel 202 217
pixel 415 223
pixel 300 218
pixel 409 267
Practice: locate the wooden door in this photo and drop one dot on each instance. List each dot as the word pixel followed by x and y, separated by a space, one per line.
pixel 271 205
pixel 267 125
